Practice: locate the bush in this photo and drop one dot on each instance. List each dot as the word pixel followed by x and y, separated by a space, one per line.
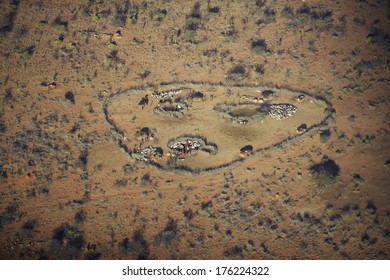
pixel 127 169
pixel 161 14
pixel 234 253
pixel 237 73
pixel 30 225
pixel 260 3
pixel 145 180
pixel 214 10
pixel 80 216
pixel 193 19
pixel 91 253
pixel 188 214
pixel 70 97
pixel 120 183
pixel 7 20
pixel 324 135
pixel 67 242
pixel 120 16
pixel 325 172
pixel 268 17
pixel 370 207
pixel 3 173
pixel 195 13
pixel 12 208
pixel 112 45
pixel 327 166
pixel 378 36
pixel 259 46
pixel 320 103
pixel 315 17
pixel 287 12
pixel 367 240
pixel 259 68
pixel 264 248
pixel 60 25
pixel 168 234
pixel 28 52
pixel 192 23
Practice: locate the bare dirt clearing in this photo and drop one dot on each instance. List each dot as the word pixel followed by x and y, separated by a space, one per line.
pixel 203 119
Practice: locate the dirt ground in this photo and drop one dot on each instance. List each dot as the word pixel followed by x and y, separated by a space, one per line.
pixel 201 119
pixel 69 191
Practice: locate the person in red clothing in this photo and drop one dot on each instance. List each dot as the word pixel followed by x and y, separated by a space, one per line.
pixel 187 147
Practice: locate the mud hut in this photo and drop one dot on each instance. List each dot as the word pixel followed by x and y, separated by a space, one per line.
pixel 302 128
pixel 246 150
pixel 267 94
pixel 197 96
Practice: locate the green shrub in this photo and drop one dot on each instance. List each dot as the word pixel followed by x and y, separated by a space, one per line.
pixel 168 235
pixel 315 17
pixel 67 242
pixel 57 42
pixel 234 253
pixel 259 47
pixel 161 15
pixel 324 180
pixel 42 23
pixel 268 17
pixel 143 252
pixel 96 16
pixel 325 172
pixel 324 135
pixel 237 73
pixel 320 103
pixel 112 45
pixel 72 46
pixel 192 23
